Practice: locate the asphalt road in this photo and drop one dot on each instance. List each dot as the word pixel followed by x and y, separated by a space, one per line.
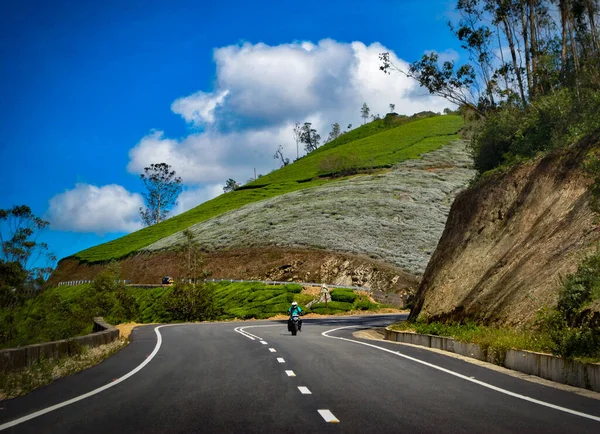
pixel 221 377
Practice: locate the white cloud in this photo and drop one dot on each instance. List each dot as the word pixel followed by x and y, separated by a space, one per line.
pixel 199 108
pixel 209 157
pixel 192 197
pixel 260 85
pixel 261 90
pixel 88 208
pixel 448 55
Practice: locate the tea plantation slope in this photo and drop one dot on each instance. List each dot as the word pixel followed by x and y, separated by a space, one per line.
pixel 382 149
pixel 396 217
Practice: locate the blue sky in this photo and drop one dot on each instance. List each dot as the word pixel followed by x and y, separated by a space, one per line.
pixel 93 91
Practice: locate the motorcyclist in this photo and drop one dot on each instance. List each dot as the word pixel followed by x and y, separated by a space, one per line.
pixel 294 309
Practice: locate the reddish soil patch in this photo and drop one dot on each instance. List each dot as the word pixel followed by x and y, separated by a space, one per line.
pixel 270 263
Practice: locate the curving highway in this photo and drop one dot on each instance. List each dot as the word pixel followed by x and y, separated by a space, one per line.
pixel 255 377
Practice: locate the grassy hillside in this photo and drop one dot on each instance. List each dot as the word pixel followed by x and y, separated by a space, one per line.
pixel 375 149
pixel 398 216
pixel 382 149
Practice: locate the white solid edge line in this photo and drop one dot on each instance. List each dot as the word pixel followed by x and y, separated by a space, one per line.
pixel 290 373
pixel 93 392
pixel 328 416
pixel 241 330
pixel 242 333
pixel 464 377
pixel 304 390
pixel 280 360
pixel 246 335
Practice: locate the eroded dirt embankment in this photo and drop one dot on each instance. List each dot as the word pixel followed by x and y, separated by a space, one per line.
pixel 510 239
pixel 268 263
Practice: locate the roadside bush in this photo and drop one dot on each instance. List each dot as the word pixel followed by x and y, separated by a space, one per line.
pixel 336 305
pixel 109 298
pixel 44 318
pixel 293 288
pixel 552 121
pixel 365 305
pixel 494 139
pixel 189 302
pixel 545 125
pixel 574 329
pixel 343 295
pixel 150 305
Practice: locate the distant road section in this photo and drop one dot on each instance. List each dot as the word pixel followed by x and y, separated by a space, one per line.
pixel 255 377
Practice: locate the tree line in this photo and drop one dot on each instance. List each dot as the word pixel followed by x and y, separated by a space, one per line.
pixel 25 263
pixel 532 70
pixel 304 134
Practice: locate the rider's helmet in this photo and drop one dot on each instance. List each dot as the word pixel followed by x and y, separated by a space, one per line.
pixel 294 303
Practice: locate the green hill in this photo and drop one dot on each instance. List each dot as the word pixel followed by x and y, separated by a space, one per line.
pixel 375 145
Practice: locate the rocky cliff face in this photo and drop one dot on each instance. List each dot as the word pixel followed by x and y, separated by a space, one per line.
pixel 509 240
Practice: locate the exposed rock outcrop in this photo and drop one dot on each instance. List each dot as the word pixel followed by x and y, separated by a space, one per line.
pixel 510 239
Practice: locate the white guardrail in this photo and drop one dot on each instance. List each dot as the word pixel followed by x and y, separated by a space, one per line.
pixel 81 282
pixel 266 282
pixel 277 282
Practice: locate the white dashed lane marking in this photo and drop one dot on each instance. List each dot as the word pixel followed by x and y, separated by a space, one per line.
pixel 328 416
pixel 325 414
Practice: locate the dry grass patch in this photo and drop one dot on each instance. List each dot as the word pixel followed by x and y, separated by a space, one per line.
pixel 126 329
pixel 312 290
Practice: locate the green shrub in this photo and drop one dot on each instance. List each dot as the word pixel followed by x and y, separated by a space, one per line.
pixel 343 295
pixel 546 124
pixel 495 138
pixel 574 329
pixel 294 288
pixel 150 307
pixel 551 121
pixel 44 318
pixel 190 302
pixel 365 305
pixel 336 305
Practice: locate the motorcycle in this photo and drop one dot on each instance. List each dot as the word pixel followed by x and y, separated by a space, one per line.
pixel 294 324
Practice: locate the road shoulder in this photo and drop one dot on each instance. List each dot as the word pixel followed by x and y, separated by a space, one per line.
pixel 378 334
